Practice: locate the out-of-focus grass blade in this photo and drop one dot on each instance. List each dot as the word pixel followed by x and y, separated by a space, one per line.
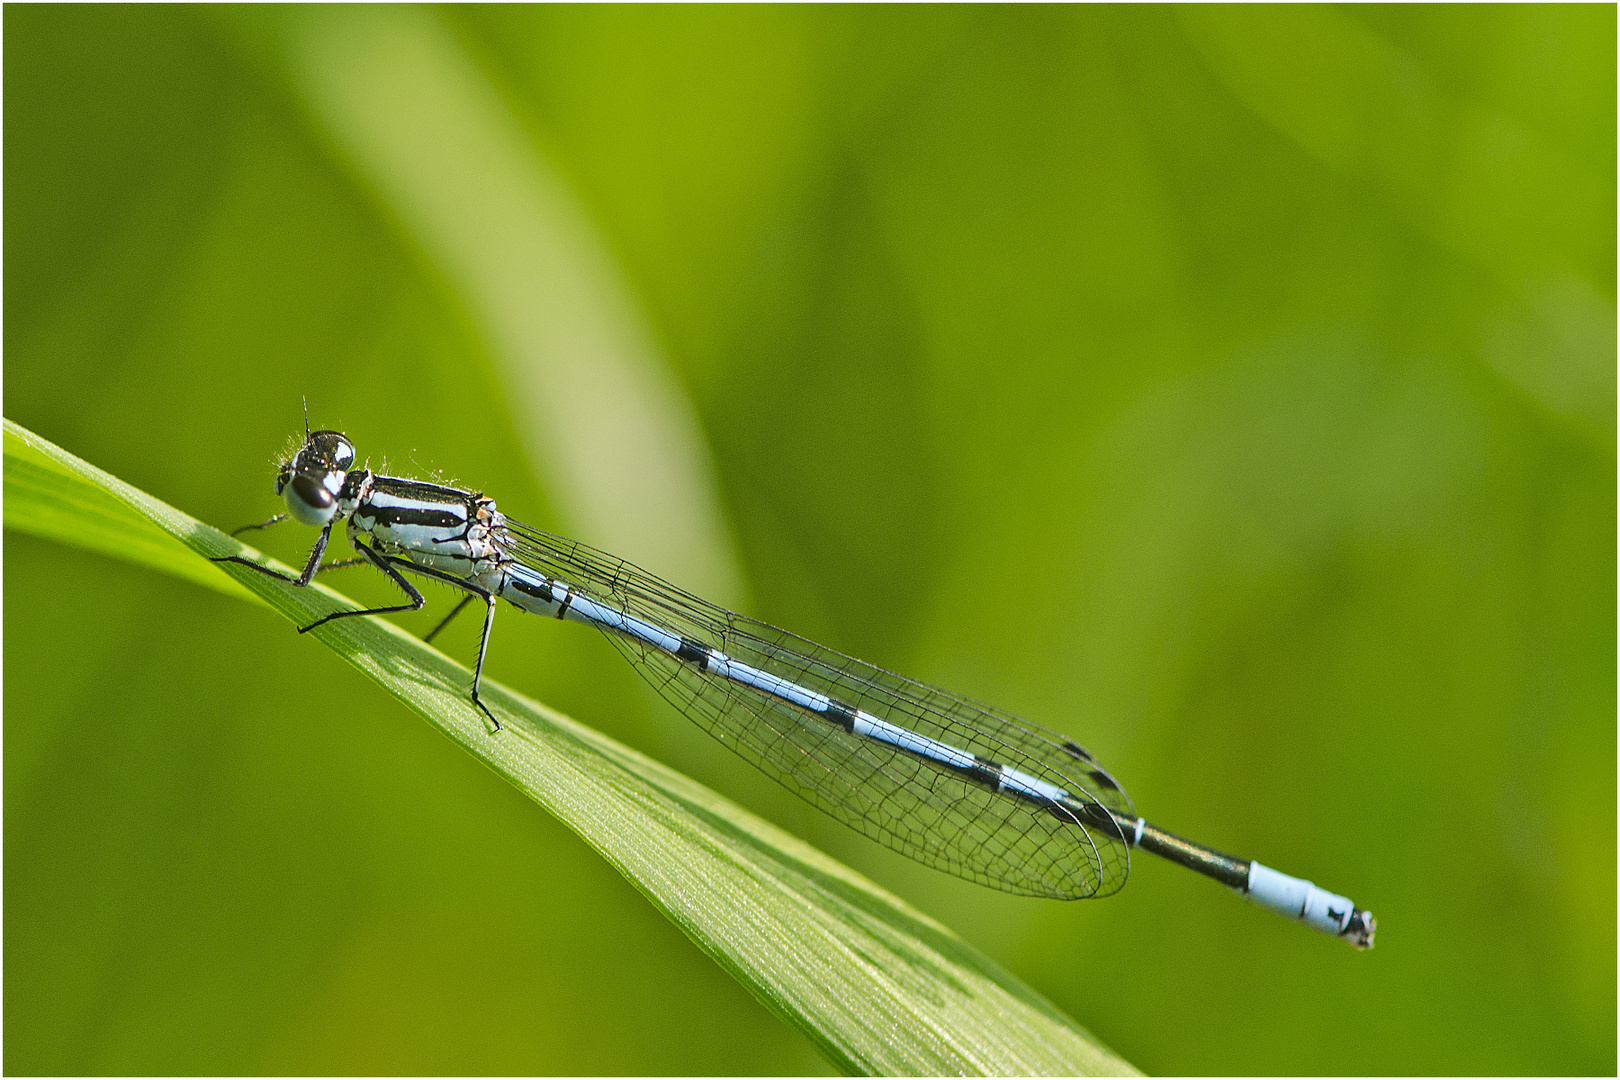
pixel 408 107
pixel 878 986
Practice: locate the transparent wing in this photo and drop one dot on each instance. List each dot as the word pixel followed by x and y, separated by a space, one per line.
pixel 931 813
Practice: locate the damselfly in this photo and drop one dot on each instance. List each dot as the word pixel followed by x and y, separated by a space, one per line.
pixel 951 783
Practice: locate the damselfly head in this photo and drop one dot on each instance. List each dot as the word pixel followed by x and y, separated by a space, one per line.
pixel 312 478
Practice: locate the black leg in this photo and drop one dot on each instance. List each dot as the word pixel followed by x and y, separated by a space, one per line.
pixel 261 525
pixel 314 562
pixel 446 622
pixel 483 650
pixel 382 564
pixel 343 564
pixel 489 622
pixel 472 591
pixel 277 574
pixel 309 568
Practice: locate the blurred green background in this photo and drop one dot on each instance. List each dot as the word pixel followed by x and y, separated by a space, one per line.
pixel 1232 388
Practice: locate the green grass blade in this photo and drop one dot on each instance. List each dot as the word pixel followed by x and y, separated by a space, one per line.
pixel 878 986
pixel 50 500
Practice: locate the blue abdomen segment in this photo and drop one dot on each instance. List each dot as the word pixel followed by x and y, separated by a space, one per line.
pixel 539 595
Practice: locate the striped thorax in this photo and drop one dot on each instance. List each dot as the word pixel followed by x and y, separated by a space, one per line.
pixel 439 528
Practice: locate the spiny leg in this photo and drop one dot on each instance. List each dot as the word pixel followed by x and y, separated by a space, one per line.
pixel 483 650
pixel 343 564
pixel 310 567
pixel 444 622
pixel 418 601
pixel 381 563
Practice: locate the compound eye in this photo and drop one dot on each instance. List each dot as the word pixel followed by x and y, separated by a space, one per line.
pixel 309 501
pixel 328 450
